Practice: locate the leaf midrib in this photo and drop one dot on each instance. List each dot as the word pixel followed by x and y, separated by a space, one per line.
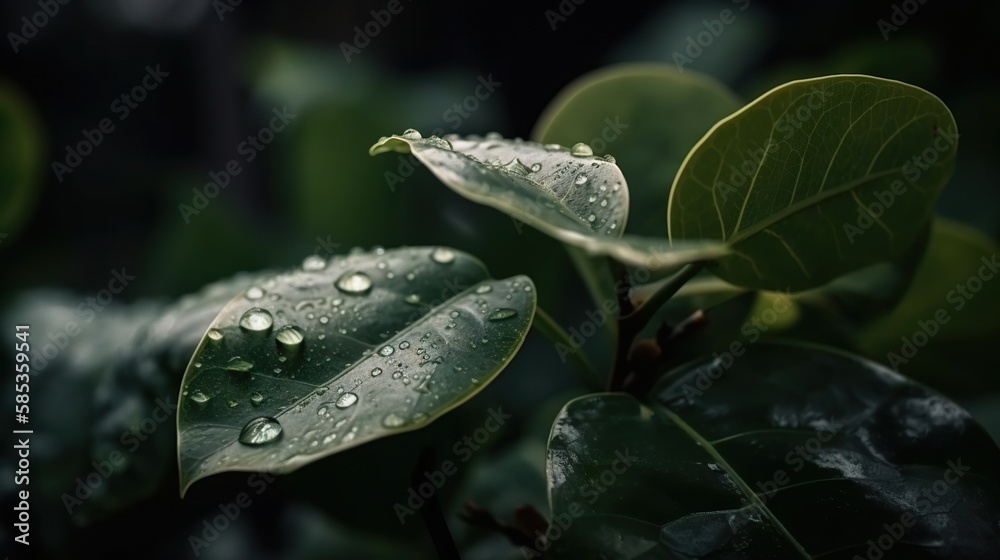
pixel 815 199
pixel 743 486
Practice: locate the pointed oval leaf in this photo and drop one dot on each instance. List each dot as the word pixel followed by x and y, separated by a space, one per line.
pixel 782 452
pixel 567 193
pixel 816 178
pixel 326 357
pixel 649 116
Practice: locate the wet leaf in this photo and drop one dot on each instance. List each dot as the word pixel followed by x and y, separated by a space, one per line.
pixel 648 116
pixel 781 452
pixel 326 357
pixel 567 193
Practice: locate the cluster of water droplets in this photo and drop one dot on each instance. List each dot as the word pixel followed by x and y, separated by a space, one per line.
pixel 289 339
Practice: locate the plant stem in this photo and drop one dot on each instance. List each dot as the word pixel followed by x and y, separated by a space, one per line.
pixel 434 519
pixel 634 319
pixel 554 332
pixel 645 310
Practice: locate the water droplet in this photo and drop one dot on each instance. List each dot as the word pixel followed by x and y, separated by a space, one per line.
pixel 313 263
pixel 404 345
pixel 581 180
pixel 536 168
pixel 321 411
pixel 502 313
pixel 397 374
pixel 215 334
pixel 392 421
pixel 440 143
pixel 411 134
pixel 616 186
pixel 290 337
pixel 454 314
pixel 412 299
pixel 199 397
pixel 552 147
pixel 609 158
pixel 443 255
pixel 580 149
pixel 386 350
pixel 354 283
pixel 256 399
pixel 346 400
pixel 233 404
pixel 254 293
pixel 604 203
pixel 376 372
pixel 485 288
pixel 591 218
pixel 515 166
pixel 237 363
pixel 257 320
pixel 260 431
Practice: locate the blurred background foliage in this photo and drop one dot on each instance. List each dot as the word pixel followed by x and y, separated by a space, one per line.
pixel 314 189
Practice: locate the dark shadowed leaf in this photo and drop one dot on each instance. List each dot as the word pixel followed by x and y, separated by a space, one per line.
pixel 20 159
pixel 334 354
pixel 649 116
pixel 784 452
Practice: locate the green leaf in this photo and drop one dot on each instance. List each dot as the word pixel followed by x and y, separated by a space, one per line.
pixel 784 452
pixel 799 183
pixel 323 358
pixel 569 194
pixel 20 159
pixel 649 116
pixel 959 350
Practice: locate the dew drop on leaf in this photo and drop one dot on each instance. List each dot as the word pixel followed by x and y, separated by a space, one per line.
pixel 354 283
pixel 502 313
pixel 254 293
pixel 346 400
pixel 289 337
pixel 237 363
pixel 256 399
pixel 392 421
pixel 199 397
pixel 215 334
pixel 256 320
pixel 313 263
pixel 260 431
pixel 580 150
pixel 443 255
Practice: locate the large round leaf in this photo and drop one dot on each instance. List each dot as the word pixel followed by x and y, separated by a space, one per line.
pixel 649 116
pixel 782 452
pixel 337 353
pixel 567 193
pixel 816 178
pixel 944 329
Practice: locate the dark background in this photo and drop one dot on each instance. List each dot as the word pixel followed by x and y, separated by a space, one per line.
pixel 316 181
